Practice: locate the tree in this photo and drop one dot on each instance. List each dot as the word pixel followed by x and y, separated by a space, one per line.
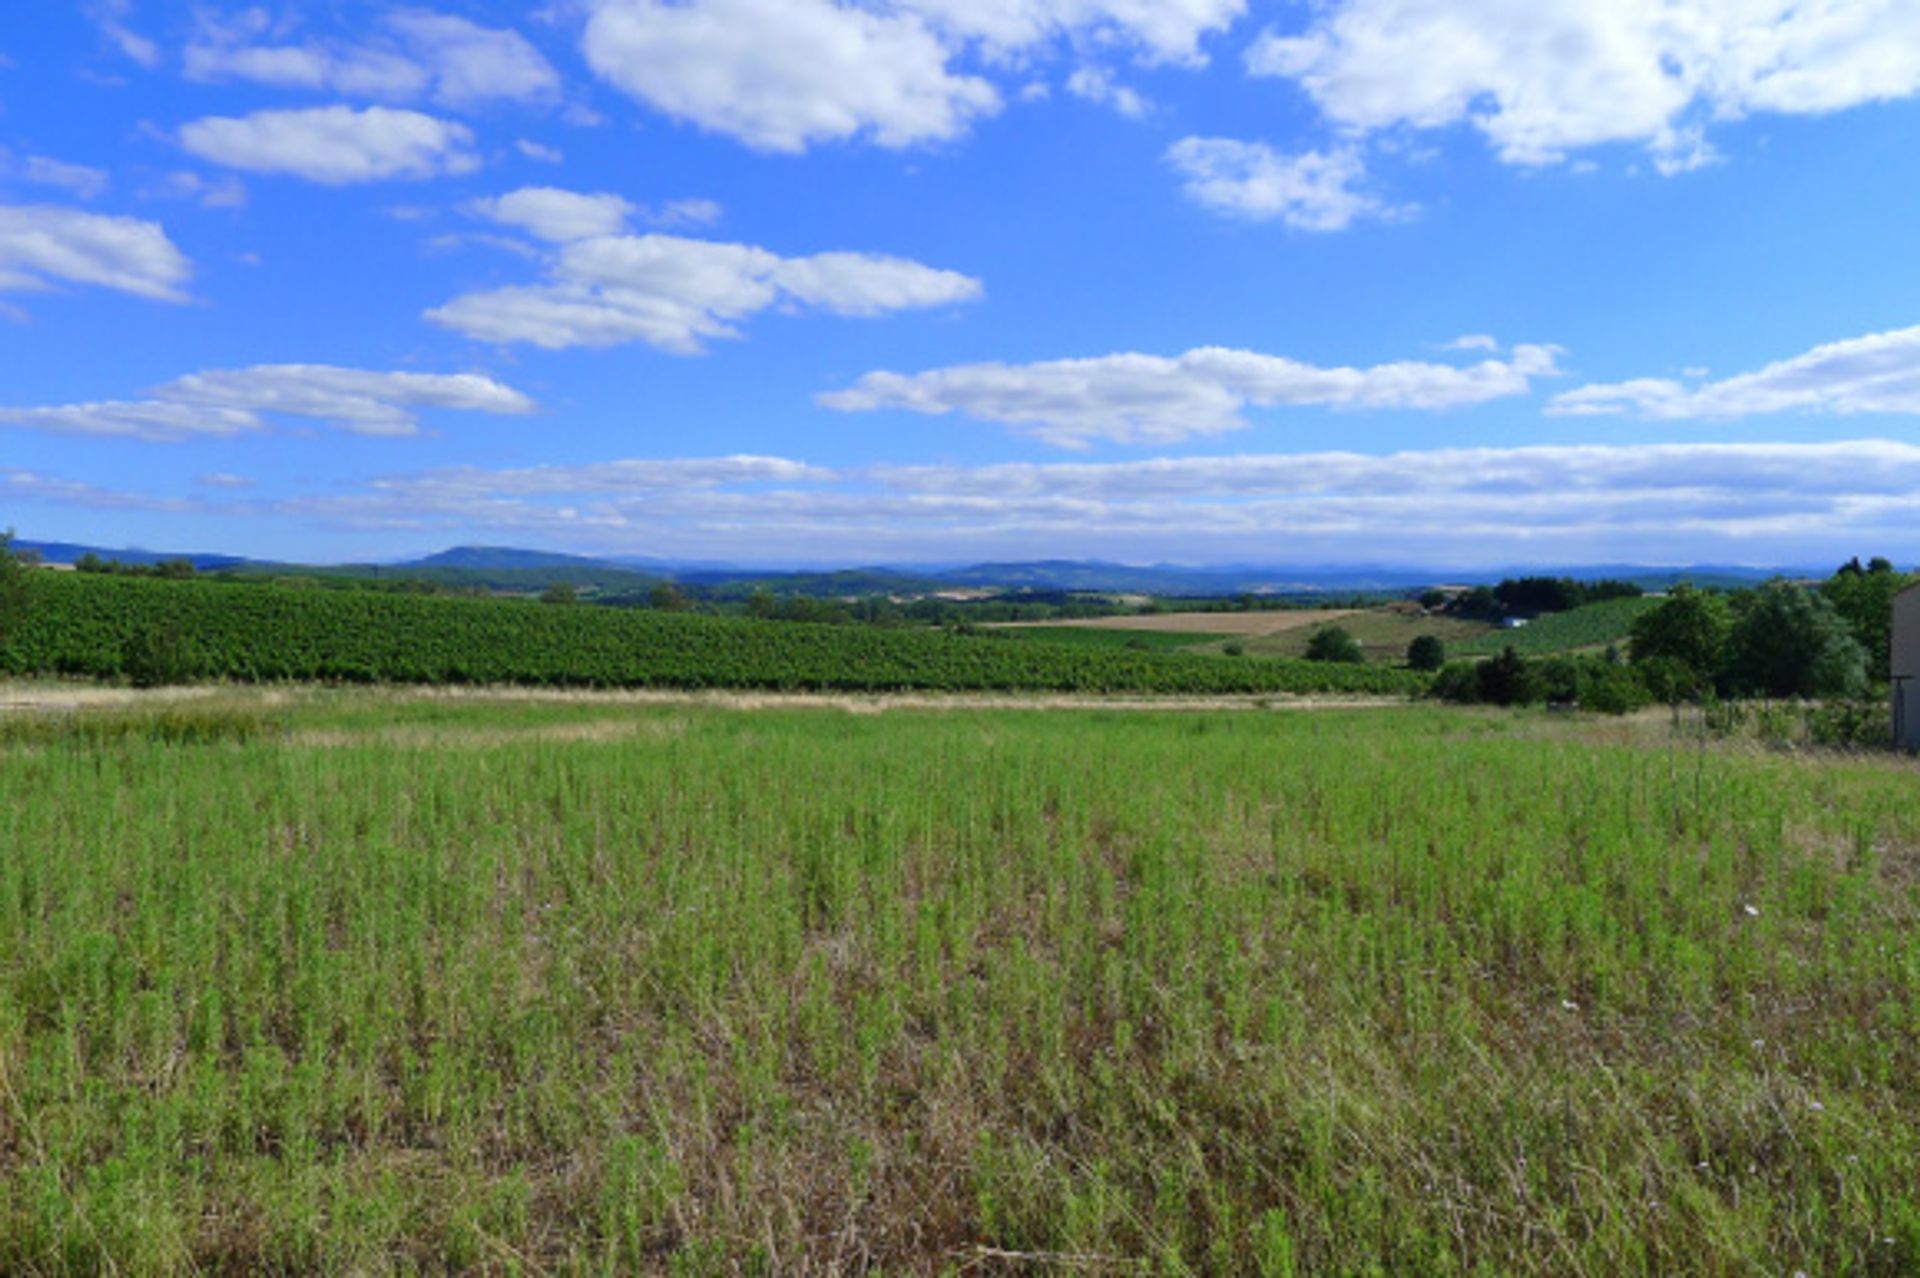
pixel 174 569
pixel 1791 642
pixel 666 597
pixel 559 593
pixel 1865 600
pixel 16 585
pixel 1426 652
pixel 1508 680
pixel 1686 635
pixel 1331 643
pixel 762 604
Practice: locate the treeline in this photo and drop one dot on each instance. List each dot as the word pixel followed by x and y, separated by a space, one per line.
pixel 153 631
pixel 1529 597
pixel 170 569
pixel 1782 640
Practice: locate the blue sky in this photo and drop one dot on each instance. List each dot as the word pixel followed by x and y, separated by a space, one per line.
pixel 1460 283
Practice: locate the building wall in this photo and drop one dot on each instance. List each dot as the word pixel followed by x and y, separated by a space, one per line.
pixel 1906 668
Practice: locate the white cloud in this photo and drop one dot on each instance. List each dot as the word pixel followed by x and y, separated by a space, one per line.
pixel 780 75
pixel 544 154
pixel 77 179
pixel 1472 342
pixel 1159 31
pixel 110 17
pixel 1778 503
pixel 557 216
pixel 1547 77
pixel 27 485
pixel 209 193
pixel 691 212
pixel 240 401
pixel 1879 373
pixel 335 145
pixel 41 245
pixel 415 54
pixel 1151 399
pixel 678 293
pixel 1313 191
pixel 1097 85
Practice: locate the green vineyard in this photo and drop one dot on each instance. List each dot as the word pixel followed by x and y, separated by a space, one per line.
pixel 175 631
pixel 1593 626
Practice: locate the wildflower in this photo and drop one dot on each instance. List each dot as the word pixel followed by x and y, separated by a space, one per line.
pixel 1753 911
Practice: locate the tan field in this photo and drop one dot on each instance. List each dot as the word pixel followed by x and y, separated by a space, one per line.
pixel 1206 623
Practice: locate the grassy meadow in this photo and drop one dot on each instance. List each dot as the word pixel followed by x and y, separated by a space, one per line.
pixel 371 982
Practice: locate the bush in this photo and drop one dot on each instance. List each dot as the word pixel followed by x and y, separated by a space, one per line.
pixel 1687 635
pixel 1508 680
pixel 16 586
pixel 1332 643
pixel 159 656
pixel 1458 682
pixel 1792 643
pixel 1426 653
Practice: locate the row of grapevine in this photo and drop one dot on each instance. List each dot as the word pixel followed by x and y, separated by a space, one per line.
pixel 1592 626
pixel 108 627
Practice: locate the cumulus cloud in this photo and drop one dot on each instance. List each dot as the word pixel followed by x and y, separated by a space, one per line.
pixel 1151 399
pixel 1552 76
pixel 241 401
pixel 42 245
pixel 334 145
pixel 1660 503
pixel 1879 373
pixel 76 179
pixel 1313 190
pixel 1096 84
pixel 414 54
pixel 678 294
pixel 557 216
pixel 110 17
pixel 780 75
pixel 783 75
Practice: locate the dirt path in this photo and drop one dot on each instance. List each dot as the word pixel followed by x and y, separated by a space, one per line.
pixel 56 698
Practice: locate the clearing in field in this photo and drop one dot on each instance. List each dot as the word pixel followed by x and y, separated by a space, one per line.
pixel 632 988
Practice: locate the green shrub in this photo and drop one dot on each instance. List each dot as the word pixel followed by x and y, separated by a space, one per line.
pixel 1426 653
pixel 1334 644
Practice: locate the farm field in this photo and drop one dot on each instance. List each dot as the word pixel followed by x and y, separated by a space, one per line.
pixel 349 980
pixel 180 631
pixel 1592 626
pixel 1383 634
pixel 1203 624
pixel 1112 637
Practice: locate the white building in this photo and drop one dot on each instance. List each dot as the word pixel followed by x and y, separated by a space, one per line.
pixel 1906 669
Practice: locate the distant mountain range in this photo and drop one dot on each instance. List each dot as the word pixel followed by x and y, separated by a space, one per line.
pixel 515 568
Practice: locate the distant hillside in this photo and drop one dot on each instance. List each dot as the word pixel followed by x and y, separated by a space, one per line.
pixel 66 552
pixel 518 570
pixel 489 558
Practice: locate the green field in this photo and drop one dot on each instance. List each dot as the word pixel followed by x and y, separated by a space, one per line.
pixel 117 627
pixel 1382 633
pixel 359 982
pixel 1593 626
pixel 1105 637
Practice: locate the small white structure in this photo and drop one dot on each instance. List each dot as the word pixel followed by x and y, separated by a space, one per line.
pixel 1906 669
